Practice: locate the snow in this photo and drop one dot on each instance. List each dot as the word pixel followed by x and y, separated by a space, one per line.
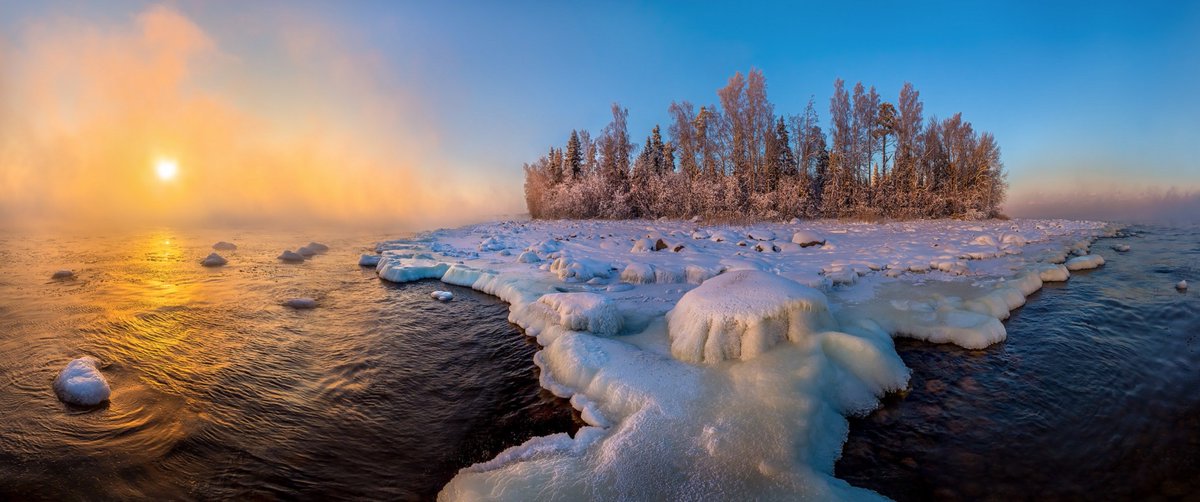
pixel 442 296
pixel 301 303
pixel 1085 262
pixel 63 274
pixel 224 246
pixel 81 383
pixel 289 256
pixel 213 260
pixel 741 314
pixel 723 370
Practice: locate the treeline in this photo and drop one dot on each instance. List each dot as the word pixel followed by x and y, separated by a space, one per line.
pixel 878 160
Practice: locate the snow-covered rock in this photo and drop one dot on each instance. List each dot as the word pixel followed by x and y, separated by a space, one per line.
pixel 1121 248
pixel 806 238
pixel 369 260
pixel 81 383
pixel 584 312
pixel 1049 272
pixel 301 303
pixel 741 314
pixel 213 260
pixel 289 256
pixel 1087 261
pixel 528 257
pixel 62 274
pixel 317 247
pixel 224 246
pixel 1181 285
pixel 442 296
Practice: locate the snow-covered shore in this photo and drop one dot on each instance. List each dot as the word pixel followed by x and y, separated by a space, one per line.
pixel 722 361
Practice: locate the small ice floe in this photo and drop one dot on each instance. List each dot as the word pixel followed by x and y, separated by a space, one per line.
pixel 301 303
pixel 81 383
pixel 290 256
pixel 213 260
pixel 1121 248
pixel 1085 262
pixel 63 274
pixel 805 239
pixel 442 296
pixel 224 246
pixel 369 260
pixel 1182 286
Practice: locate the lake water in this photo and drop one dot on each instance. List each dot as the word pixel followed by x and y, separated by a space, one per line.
pixel 383 393
pixel 220 392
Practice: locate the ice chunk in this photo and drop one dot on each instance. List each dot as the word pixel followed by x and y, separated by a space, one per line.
pixel 638 273
pixel 584 312
pixel 1182 285
pixel 442 296
pixel 1050 272
pixel 1121 248
pixel 213 260
pixel 81 383
pixel 741 314
pixel 224 246
pixel 369 260
pixel 63 274
pixel 410 269
pixel 528 257
pixel 807 238
pixel 289 256
pixel 301 303
pixel 1085 262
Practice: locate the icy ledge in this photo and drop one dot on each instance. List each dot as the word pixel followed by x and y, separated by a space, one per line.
pixel 725 371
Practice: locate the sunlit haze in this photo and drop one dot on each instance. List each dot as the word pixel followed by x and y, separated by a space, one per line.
pixel 421 115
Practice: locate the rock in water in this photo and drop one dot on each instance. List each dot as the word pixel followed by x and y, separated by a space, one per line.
pixel 213 260
pixel 290 256
pixel 81 383
pixel 301 303
pixel 1182 286
pixel 63 274
pixel 1121 248
pixel 317 247
pixel 442 296
pixel 224 246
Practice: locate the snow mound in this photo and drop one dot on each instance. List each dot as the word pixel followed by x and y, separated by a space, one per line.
pixel 213 260
pixel 81 383
pixel 584 312
pixel 760 234
pixel 224 246
pixel 289 256
pixel 369 260
pixel 579 269
pixel 742 314
pixel 528 257
pixel 1084 262
pixel 63 274
pixel 442 296
pixel 638 273
pixel 1049 272
pixel 301 303
pixel 402 270
pixel 806 238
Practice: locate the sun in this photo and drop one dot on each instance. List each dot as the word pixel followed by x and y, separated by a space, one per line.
pixel 166 169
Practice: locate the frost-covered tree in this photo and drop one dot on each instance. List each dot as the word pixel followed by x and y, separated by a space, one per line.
pixel 574 156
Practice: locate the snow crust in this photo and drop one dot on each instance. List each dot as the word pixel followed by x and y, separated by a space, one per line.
pixel 81 383
pixel 726 368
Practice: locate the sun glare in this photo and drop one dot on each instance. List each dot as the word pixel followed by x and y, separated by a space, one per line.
pixel 166 169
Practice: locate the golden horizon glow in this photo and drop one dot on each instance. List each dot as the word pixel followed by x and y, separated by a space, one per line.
pixel 166 169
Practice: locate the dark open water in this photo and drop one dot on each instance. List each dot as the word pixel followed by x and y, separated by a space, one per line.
pixel 219 392
pixel 383 393
pixel 1095 395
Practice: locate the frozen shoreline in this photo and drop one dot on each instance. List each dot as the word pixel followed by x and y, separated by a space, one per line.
pixel 743 389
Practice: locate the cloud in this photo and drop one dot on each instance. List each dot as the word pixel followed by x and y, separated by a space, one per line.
pixel 297 127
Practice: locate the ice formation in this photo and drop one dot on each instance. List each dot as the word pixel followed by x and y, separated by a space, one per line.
pixel 289 256
pixel 1121 248
pixel 369 260
pixel 81 383
pixel 224 246
pixel 1085 262
pixel 63 274
pixel 301 303
pixel 213 260
pixel 442 296
pixel 726 370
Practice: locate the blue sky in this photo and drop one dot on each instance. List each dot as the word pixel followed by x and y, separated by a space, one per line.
pixel 1081 96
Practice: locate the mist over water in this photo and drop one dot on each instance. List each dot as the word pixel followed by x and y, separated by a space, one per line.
pixel 220 392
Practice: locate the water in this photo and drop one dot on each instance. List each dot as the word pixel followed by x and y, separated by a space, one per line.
pixel 219 392
pixel 1095 394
